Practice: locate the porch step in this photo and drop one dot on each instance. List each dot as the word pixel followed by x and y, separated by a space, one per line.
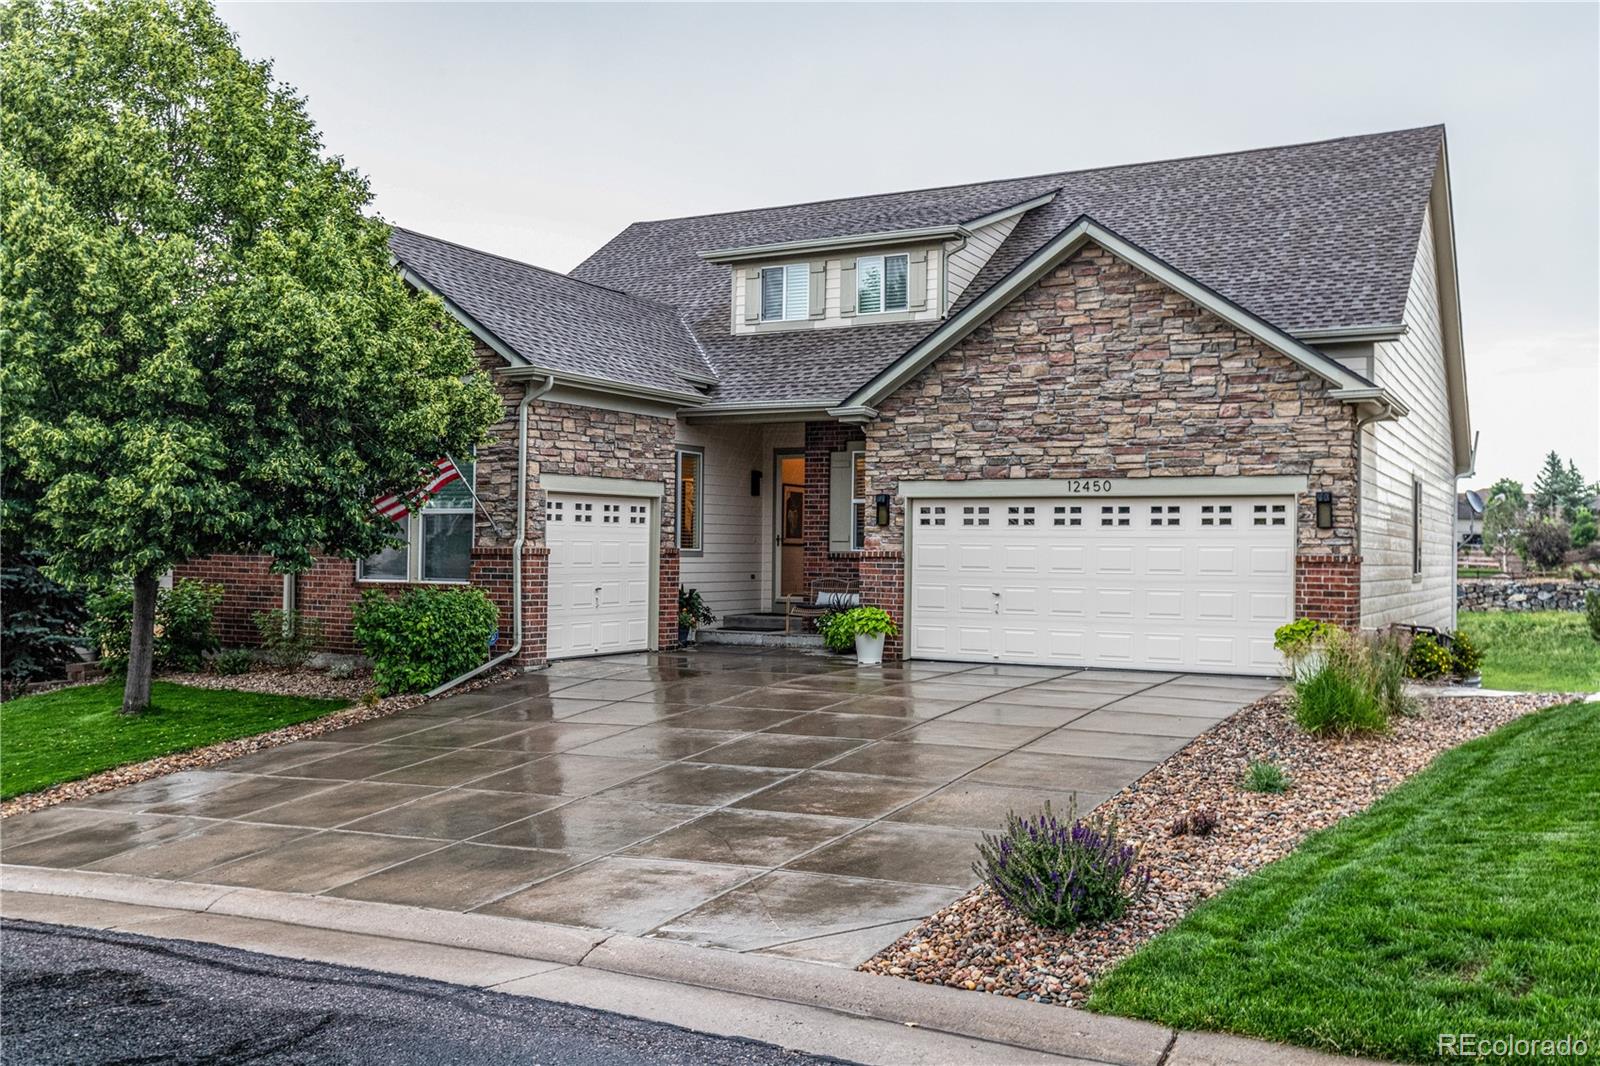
pixel 764 622
pixel 761 639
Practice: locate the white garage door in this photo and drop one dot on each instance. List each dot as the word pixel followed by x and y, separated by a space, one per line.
pixel 1192 583
pixel 599 574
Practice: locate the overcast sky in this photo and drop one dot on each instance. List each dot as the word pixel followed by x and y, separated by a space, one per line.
pixel 539 131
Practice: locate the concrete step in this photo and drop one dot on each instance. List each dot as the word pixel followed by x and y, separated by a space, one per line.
pixel 765 621
pixel 761 639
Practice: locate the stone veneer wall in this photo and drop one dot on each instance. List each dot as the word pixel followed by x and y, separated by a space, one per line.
pixel 1523 595
pixel 1098 370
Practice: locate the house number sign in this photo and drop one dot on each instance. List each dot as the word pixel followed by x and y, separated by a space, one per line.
pixel 1084 486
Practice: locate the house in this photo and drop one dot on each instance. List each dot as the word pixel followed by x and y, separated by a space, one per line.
pixel 1137 416
pixel 1469 519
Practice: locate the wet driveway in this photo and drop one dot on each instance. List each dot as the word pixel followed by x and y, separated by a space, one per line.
pixel 777 802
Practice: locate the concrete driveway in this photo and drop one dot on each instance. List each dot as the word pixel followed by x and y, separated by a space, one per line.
pixel 782 803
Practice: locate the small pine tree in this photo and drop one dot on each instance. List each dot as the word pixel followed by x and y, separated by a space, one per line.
pixel 1550 487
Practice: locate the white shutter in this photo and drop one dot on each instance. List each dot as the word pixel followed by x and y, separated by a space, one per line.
pixel 847 287
pixel 918 283
pixel 839 471
pixel 818 302
pixel 752 296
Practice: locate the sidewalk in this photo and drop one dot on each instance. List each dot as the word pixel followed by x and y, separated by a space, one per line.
pixel 813 1008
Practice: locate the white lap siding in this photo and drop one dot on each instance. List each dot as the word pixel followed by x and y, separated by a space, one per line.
pixel 1393 453
pixel 733 569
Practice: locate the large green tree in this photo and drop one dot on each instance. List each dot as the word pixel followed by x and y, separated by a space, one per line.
pixel 206 346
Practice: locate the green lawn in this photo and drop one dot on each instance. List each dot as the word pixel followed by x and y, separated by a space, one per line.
pixel 1466 901
pixel 1535 651
pixel 73 732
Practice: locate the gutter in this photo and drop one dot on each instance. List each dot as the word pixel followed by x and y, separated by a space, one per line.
pixel 529 394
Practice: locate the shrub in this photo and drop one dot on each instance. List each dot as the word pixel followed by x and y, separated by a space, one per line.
pixel 692 610
pixel 424 636
pixel 233 661
pixel 1387 670
pixel 1428 658
pixel 1199 822
pixel 183 633
pixel 834 635
pixel 1585 529
pixel 865 622
pixel 1465 658
pixel 1341 696
pixel 1300 636
pixel 1591 611
pixel 1061 873
pixel 1265 776
pixel 1546 543
pixel 41 626
pixel 288 637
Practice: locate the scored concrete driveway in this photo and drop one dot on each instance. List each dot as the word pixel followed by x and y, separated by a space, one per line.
pixel 783 803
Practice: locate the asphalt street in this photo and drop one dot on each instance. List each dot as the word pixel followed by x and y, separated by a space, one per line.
pixel 70 995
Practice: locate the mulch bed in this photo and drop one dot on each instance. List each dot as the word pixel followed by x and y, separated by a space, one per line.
pixel 277 682
pixel 978 943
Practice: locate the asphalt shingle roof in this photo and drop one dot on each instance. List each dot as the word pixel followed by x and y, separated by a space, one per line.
pixel 1308 237
pixel 556 322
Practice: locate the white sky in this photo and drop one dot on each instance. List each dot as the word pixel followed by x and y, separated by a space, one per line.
pixel 539 131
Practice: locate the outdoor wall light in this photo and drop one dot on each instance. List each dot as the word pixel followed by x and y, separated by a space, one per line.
pixel 1324 510
pixel 883 508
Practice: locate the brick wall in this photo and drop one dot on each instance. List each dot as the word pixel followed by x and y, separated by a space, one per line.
pixel 883 584
pixel 249 586
pixel 822 439
pixel 1328 588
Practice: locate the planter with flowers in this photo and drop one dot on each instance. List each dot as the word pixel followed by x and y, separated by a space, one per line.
pixel 867 626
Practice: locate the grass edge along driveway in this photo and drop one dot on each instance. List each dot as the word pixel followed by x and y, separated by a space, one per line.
pixel 1466 901
pixel 74 732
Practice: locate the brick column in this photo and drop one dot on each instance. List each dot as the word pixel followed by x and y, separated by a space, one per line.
pixel 883 584
pixel 491 572
pixel 1328 588
pixel 822 440
pixel 667 622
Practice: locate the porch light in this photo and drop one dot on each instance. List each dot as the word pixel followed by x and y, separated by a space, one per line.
pixel 883 508
pixel 1324 510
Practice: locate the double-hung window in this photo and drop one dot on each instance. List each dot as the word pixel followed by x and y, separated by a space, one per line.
pixel 691 461
pixel 785 292
pixel 882 283
pixel 1416 528
pixel 434 543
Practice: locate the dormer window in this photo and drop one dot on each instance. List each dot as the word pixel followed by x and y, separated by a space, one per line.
pixel 785 292
pixel 882 283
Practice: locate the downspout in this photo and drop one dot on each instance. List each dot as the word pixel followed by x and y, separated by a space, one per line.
pixel 529 394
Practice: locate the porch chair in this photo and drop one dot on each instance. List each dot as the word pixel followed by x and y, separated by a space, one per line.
pixel 827 594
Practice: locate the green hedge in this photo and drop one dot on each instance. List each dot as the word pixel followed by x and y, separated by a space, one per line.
pixel 424 636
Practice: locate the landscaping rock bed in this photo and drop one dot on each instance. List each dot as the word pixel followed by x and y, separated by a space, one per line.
pixel 277 682
pixel 977 943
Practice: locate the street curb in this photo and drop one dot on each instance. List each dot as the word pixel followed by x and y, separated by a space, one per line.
pixel 1053 1030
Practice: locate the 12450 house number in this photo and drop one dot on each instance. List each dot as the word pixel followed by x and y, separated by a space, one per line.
pixel 1086 485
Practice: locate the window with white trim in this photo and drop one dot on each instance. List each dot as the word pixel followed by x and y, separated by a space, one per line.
pixel 691 464
pixel 785 292
pixel 883 283
pixel 434 542
pixel 858 500
pixel 1416 528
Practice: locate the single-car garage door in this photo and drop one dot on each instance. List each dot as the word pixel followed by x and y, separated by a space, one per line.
pixel 1196 583
pixel 599 574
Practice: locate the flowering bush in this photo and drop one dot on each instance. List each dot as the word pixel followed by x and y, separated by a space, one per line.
pixel 1062 873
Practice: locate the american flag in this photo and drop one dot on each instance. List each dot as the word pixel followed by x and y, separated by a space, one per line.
pixel 395 506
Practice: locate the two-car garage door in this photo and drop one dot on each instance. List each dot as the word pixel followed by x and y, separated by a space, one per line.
pixel 599 574
pixel 1194 583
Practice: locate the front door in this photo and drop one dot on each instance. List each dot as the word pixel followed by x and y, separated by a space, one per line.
pixel 789 544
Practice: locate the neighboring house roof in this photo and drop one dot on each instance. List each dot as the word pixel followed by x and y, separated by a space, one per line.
pixel 1304 240
pixel 557 324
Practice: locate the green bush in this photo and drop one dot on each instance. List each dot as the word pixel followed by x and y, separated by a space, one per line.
pixel 233 661
pixel 41 625
pixel 1591 611
pixel 183 633
pixel 424 636
pixel 1300 636
pixel 1265 776
pixel 1428 658
pixel 1465 658
pixel 692 610
pixel 1342 695
pixel 863 622
pixel 1585 529
pixel 288 637
pixel 1546 543
pixel 835 637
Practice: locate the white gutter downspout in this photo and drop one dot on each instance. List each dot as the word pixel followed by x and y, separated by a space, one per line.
pixel 529 394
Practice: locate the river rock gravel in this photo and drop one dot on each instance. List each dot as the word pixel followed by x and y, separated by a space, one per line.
pixel 978 943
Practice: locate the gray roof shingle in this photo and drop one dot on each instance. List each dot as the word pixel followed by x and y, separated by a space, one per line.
pixel 1308 237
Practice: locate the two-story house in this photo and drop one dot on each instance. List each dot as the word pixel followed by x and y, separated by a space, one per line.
pixel 1134 417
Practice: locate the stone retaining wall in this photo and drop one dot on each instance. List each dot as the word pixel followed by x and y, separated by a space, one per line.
pixel 1523 595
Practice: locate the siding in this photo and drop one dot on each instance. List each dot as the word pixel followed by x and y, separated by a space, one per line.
pixel 963 263
pixel 1392 453
pixel 733 571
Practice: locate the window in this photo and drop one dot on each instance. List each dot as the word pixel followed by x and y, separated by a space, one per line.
pixel 858 500
pixel 785 292
pixel 1416 528
pixel 435 540
pixel 690 463
pixel 882 283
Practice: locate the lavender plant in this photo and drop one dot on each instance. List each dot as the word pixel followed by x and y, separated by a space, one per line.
pixel 1062 873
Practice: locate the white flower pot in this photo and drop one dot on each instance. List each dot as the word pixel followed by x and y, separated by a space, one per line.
pixel 869 649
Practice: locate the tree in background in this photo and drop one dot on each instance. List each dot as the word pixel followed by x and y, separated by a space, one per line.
pixel 1560 489
pixel 1504 516
pixel 1585 530
pixel 42 624
pixel 207 347
pixel 1511 489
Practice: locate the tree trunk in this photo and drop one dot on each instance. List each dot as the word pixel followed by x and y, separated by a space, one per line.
pixel 141 650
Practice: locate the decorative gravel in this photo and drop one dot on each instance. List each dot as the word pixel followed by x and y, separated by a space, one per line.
pixel 277 682
pixel 978 943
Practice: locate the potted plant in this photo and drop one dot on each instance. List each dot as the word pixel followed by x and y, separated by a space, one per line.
pixel 869 626
pixel 693 614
